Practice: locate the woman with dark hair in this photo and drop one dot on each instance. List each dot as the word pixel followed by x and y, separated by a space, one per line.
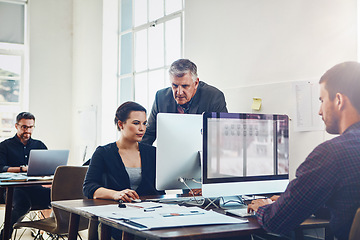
pixel 125 169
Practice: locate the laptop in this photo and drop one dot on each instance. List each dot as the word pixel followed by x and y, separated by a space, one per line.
pixel 45 162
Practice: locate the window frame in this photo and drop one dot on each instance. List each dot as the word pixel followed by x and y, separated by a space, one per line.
pixel 21 50
pixel 146 26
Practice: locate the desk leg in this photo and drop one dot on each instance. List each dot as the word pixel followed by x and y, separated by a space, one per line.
pixel 329 234
pixel 73 226
pixel 8 209
pixel 105 232
pixel 299 235
pixel 128 236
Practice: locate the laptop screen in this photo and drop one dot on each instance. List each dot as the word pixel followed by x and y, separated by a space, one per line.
pixel 45 162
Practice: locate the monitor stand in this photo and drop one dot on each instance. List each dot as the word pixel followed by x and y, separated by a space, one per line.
pixel 229 202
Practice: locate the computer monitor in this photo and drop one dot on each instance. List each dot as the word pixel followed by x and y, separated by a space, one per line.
pixel 244 154
pixel 179 141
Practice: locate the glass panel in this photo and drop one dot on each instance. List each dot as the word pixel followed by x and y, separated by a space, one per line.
pixel 172 6
pixel 156 43
pixel 126 54
pixel 7 121
pixel 140 12
pixel 126 93
pixel 141 50
pixel 11 23
pixel 173 40
pixel 141 89
pixel 9 91
pixel 10 66
pixel 156 9
pixel 126 15
pixel 156 82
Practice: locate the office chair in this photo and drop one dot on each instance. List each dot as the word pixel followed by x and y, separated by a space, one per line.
pixel 355 227
pixel 67 185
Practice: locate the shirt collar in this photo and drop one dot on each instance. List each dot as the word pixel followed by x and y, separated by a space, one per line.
pixel 18 140
pixel 352 127
pixel 186 106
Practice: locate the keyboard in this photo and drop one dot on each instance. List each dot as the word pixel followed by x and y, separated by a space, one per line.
pixel 177 200
pixel 241 212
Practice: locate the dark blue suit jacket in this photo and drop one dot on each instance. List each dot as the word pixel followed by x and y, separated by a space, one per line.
pixel 206 99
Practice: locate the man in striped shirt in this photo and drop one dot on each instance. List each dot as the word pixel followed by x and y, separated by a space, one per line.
pixel 330 175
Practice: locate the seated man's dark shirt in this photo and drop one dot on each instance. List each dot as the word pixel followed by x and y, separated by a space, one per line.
pixel 13 153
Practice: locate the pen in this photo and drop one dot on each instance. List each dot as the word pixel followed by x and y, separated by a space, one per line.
pixel 135 206
pixel 182 214
pixel 149 209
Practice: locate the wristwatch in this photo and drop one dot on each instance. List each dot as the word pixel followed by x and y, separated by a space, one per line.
pixel 21 170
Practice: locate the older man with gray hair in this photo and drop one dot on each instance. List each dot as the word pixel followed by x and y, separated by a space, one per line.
pixel 186 95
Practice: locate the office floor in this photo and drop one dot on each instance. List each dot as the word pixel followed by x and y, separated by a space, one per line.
pixel 27 234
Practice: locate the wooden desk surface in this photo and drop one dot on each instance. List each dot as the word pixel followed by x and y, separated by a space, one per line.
pixel 24 184
pixel 194 232
pixel 72 205
pixel 9 199
pixel 179 233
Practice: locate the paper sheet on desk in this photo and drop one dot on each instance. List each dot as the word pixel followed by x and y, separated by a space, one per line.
pixel 162 217
pixel 19 177
pixel 12 177
pixel 113 211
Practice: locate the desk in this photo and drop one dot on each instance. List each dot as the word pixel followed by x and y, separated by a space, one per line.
pixel 71 207
pixel 9 200
pixel 195 232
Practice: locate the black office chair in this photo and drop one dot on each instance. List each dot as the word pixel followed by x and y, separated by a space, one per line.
pixel 67 185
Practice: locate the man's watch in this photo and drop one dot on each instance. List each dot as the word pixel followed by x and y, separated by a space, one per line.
pixel 21 169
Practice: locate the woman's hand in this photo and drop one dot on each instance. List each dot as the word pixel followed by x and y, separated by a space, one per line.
pixel 126 195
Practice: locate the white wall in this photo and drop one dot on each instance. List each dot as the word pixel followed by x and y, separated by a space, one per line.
pixel 94 74
pixel 236 45
pixel 258 48
pixel 87 42
pixel 73 62
pixel 51 66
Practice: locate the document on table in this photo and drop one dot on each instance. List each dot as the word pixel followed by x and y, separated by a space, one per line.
pixel 147 215
pixel 19 177
pixel 12 177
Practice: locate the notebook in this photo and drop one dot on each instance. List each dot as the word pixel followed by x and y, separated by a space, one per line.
pixel 45 162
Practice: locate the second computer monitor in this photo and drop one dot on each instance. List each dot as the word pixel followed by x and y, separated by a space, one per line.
pixel 245 153
pixel 179 143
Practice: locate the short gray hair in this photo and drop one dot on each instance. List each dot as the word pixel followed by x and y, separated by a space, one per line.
pixel 182 66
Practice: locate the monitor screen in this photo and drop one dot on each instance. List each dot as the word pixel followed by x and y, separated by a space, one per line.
pixel 179 141
pixel 244 154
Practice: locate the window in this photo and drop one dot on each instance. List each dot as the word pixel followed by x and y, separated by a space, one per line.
pixel 13 88
pixel 150 40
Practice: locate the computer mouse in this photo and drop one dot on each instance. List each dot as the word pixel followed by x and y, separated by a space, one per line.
pixel 136 200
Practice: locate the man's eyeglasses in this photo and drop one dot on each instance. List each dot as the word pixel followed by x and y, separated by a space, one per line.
pixel 24 127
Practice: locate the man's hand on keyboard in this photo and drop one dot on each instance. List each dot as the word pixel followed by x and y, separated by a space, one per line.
pixel 255 204
pixel 274 198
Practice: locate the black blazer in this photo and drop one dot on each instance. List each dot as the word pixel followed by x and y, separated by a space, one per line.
pixel 206 99
pixel 107 170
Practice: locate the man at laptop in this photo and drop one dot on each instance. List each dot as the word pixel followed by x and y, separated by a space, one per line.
pixel 14 156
